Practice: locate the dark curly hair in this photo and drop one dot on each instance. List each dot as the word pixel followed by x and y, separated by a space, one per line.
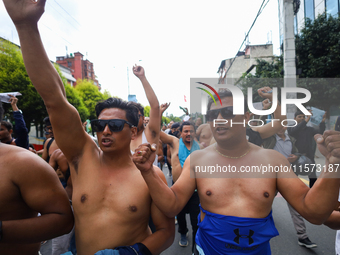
pixel 130 109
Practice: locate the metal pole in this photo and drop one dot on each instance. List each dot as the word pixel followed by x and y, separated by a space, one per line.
pixel 289 53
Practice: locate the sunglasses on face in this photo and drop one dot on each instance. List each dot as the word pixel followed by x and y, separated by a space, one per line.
pixel 115 125
pixel 226 112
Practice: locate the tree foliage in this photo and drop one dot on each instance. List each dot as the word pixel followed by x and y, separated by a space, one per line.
pixel 13 77
pixel 267 74
pixel 90 95
pixel 318 48
pixel 318 57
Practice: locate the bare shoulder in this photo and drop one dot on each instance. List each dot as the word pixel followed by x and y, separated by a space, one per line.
pixel 20 163
pixel 268 155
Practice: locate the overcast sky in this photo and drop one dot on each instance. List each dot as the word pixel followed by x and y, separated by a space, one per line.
pixel 175 40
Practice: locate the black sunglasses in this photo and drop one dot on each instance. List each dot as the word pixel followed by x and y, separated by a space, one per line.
pixel 115 125
pixel 226 112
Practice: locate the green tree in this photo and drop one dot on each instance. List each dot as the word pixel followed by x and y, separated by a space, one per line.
pixel 90 95
pixel 74 99
pixel 318 57
pixel 147 111
pixel 267 74
pixel 13 77
pixel 318 48
pixel 174 118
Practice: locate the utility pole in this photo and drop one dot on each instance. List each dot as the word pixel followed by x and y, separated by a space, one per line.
pixel 289 53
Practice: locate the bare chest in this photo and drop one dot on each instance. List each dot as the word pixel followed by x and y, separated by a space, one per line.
pixel 111 195
pixel 232 196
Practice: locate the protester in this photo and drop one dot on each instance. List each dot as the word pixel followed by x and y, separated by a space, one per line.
pixel 187 145
pixel 28 186
pixel 236 195
pixel 20 130
pixel 59 163
pixel 285 144
pixel 111 201
pixel 146 133
pixel 304 139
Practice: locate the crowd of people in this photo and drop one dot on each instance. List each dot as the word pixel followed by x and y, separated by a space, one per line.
pixel 113 198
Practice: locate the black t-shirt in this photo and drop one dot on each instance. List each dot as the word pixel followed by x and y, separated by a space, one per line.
pixel 254 137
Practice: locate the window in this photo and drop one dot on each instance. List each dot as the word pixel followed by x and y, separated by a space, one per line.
pixel 332 7
pixel 69 63
pixel 295 25
pixel 309 9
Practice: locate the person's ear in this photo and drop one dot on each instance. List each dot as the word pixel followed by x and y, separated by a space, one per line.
pixel 133 133
pixel 10 131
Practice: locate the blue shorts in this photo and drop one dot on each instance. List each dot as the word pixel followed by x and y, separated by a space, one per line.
pixel 220 234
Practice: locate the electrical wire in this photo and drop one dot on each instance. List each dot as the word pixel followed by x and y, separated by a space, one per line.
pixel 257 15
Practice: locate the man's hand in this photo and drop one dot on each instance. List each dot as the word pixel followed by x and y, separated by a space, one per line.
pixel 163 107
pixel 144 156
pixel 265 92
pixel 13 100
pixel 138 71
pixel 266 104
pixel 292 158
pixel 309 116
pixel 324 117
pixel 329 145
pixel 23 12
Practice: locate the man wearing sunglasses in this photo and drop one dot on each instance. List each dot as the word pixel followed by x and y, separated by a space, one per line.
pixel 236 203
pixel 111 201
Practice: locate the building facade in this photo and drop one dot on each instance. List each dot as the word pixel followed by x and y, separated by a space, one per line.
pixel 81 69
pixel 308 9
pixel 245 61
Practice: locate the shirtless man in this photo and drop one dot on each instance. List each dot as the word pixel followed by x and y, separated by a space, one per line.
pixel 111 201
pixel 147 132
pixel 228 200
pixel 204 135
pixel 29 185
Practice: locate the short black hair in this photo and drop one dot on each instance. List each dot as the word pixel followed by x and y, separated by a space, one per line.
pixel 223 94
pixel 175 125
pixel 298 113
pixel 186 123
pixel 7 124
pixel 130 109
pixel 139 107
pixel 47 121
pixel 1 111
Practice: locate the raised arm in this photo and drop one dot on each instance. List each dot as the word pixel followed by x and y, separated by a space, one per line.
pixel 169 201
pixel 20 129
pixel 273 127
pixel 65 119
pixel 173 143
pixel 153 128
pixel 316 204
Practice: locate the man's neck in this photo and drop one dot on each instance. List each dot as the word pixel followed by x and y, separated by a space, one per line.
pixel 233 149
pixel 187 144
pixel 282 136
pixel 7 139
pixel 140 131
pixel 117 159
